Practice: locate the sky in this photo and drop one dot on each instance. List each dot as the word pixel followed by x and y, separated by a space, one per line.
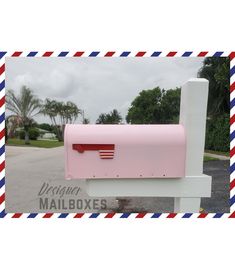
pixel 97 85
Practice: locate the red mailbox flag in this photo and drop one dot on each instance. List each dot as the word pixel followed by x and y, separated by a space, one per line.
pixel 106 151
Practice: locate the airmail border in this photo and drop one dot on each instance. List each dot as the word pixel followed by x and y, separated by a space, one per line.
pixel 179 202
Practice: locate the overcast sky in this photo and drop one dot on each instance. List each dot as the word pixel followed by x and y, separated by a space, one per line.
pixel 97 85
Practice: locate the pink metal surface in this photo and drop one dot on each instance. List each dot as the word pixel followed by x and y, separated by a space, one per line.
pixel 124 151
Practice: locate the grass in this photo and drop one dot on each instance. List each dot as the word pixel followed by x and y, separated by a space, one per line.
pixel 208 158
pixel 217 152
pixel 38 143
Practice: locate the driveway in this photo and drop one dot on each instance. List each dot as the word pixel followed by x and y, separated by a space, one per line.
pixel 35 181
pixel 29 168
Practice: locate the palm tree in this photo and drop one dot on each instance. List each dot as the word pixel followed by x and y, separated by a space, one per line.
pixel 114 117
pixel 68 112
pixel 85 121
pixel 64 112
pixel 25 106
pixel 51 109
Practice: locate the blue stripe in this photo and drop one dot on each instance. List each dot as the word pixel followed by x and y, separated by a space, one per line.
pixel 32 215
pixel 2 85
pixel 125 215
pixel 2 54
pixel 232 71
pixel 187 54
pixel 63 215
pixel 2 150
pixel 63 54
pixel 2 214
pixel 2 182
pixel 94 215
pixel 232 103
pixel 218 54
pixel 218 215
pixel 156 215
pixel 94 54
pixel 32 54
pixel 232 200
pixel 232 168
pixel 2 117
pixel 156 54
pixel 125 54
pixel 232 135
pixel 187 215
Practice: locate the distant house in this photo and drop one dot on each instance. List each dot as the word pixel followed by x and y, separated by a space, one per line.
pixel 48 136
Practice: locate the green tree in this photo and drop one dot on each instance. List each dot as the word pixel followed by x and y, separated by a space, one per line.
pixel 60 114
pixel 45 126
pixel 68 112
pixel 86 121
pixel 51 108
pixel 154 106
pixel 216 70
pixel 114 117
pixel 24 106
pixel 170 106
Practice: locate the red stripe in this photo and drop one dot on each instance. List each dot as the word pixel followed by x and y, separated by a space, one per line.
pixel 232 184
pixel 232 215
pixel 232 55
pixel 47 54
pixel 79 215
pixel 2 166
pixel 2 69
pixel 17 215
pixel 2 133
pixel 202 54
pixel 232 152
pixel 109 54
pixel 2 101
pixel 171 54
pixel 232 87
pixel 232 119
pixel 16 54
pixel 2 198
pixel 48 215
pixel 141 215
pixel 140 54
pixel 110 215
pixel 203 215
pixel 106 157
pixel 78 54
pixel 172 215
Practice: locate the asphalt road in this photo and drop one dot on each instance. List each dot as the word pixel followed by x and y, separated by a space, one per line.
pixel 35 183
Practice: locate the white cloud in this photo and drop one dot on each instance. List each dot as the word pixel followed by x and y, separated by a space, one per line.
pixel 98 85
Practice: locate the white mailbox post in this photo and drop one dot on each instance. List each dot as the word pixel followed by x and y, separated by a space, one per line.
pixel 187 191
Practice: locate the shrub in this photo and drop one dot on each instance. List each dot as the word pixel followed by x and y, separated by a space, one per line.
pixel 33 134
pixel 217 134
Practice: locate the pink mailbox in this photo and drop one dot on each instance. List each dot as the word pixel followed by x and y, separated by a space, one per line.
pixel 124 151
